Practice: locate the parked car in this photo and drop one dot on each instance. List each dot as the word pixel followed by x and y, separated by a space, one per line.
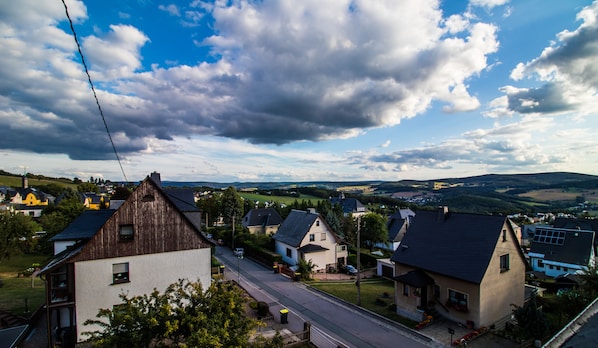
pixel 239 252
pixel 350 270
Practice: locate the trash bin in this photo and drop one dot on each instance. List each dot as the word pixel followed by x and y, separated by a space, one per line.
pixel 284 316
pixel 297 276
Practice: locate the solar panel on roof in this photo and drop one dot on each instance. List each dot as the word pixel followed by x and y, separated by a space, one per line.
pixel 547 236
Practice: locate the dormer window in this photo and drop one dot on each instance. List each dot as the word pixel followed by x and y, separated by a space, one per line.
pixel 126 232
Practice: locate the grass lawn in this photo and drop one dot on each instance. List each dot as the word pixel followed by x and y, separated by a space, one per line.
pixel 371 290
pixel 17 290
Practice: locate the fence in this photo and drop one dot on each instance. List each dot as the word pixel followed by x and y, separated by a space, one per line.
pixel 322 340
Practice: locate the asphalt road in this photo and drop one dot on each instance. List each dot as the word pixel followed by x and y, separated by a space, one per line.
pixel 340 322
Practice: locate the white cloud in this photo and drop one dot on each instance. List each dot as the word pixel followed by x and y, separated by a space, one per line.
pixel 116 55
pixel 567 71
pixel 488 3
pixel 172 9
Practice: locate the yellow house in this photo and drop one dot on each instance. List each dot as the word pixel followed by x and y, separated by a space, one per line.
pixel 95 201
pixel 468 268
pixel 32 197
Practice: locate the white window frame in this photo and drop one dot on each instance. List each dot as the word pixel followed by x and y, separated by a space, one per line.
pixel 120 273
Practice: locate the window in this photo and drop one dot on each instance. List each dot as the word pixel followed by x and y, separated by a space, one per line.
pixel 551 266
pixel 120 273
pixel 323 237
pixel 312 237
pixel 317 222
pixel 540 263
pixel 126 232
pixel 436 291
pixel 558 268
pixel 289 252
pixel 343 247
pixel 405 289
pixel 457 300
pixel 504 235
pixel 504 262
pixel 566 269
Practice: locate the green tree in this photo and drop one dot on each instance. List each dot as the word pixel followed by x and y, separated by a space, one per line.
pixel 372 230
pixel 56 217
pixel 532 321
pixel 183 316
pixel 16 234
pixel 209 207
pixel 231 205
pixel 121 192
pixel 306 268
pixel 349 228
pixel 88 187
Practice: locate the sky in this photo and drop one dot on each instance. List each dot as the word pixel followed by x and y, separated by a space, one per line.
pixel 298 90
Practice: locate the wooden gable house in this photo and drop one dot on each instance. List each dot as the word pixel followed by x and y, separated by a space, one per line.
pixel 147 243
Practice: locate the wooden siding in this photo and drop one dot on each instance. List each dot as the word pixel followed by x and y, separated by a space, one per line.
pixel 158 227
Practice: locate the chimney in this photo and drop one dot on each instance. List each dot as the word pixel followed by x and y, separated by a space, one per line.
pixel 442 213
pixel 311 210
pixel 156 178
pixel 25 182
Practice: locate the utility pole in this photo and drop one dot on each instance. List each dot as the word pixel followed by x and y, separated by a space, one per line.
pixel 358 261
pixel 233 241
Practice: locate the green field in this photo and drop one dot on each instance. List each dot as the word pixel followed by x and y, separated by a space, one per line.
pixel 16 181
pixel 280 199
pixel 21 295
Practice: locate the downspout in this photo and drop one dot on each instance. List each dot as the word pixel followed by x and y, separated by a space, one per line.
pixel 48 322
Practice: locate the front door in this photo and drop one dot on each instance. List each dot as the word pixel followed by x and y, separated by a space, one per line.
pixel 424 298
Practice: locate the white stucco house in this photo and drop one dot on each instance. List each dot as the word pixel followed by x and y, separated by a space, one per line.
pixel 306 235
pixel 558 251
pixel 151 241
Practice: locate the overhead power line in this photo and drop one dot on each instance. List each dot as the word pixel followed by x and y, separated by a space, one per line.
pixel 66 9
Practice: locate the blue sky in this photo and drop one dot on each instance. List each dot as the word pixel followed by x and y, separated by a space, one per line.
pixel 281 90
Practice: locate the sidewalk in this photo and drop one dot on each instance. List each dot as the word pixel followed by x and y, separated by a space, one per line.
pixel 294 322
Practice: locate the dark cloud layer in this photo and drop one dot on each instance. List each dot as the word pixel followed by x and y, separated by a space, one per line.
pixel 283 74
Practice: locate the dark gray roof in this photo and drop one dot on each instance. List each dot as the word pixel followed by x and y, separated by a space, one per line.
pixel 85 225
pixel 350 205
pixel 262 217
pixel 576 248
pixel 295 227
pixel 62 256
pixel 182 198
pixel 312 248
pixel 397 221
pixel 457 245
pixel 394 227
pixel 582 331
pixel 417 278
pixel 583 224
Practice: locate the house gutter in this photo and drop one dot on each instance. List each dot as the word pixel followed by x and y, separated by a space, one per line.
pixel 573 327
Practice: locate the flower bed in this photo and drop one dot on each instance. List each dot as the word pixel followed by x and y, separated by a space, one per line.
pixel 470 336
pixel 427 321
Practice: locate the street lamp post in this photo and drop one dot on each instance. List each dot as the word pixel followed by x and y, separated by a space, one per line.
pixel 239 257
pixel 358 262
